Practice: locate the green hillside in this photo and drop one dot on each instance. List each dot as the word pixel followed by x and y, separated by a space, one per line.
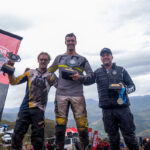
pixel 49 127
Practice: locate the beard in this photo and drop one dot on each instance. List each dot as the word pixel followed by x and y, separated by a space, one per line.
pixel 107 64
pixel 71 50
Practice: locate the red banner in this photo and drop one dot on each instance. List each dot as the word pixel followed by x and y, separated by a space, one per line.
pixel 8 43
pixel 95 140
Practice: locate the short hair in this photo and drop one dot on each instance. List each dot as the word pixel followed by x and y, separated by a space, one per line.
pixel 70 35
pixel 44 53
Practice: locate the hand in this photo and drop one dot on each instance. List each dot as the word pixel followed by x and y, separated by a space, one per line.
pixel 75 76
pixel 122 85
pixel 11 63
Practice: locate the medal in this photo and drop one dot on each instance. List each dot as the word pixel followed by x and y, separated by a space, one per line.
pixel 120 101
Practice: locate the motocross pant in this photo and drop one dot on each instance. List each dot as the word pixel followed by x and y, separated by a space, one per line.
pixel 78 106
pixel 35 117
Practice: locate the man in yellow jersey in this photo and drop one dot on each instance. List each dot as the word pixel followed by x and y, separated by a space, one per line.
pixel 70 93
pixel 34 103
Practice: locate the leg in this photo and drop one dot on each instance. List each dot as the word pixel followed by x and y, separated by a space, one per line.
pixel 38 124
pixel 21 127
pixel 61 112
pixel 111 128
pixel 79 109
pixel 127 127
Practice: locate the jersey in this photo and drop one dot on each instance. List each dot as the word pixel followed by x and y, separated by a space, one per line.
pixel 37 88
pixel 70 87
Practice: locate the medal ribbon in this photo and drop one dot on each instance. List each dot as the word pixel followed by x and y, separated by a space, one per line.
pixel 121 95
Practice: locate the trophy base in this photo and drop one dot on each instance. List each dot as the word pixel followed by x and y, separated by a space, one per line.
pixel 8 69
pixel 115 86
pixel 66 73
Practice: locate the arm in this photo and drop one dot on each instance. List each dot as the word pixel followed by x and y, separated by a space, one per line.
pixel 87 79
pixel 18 80
pixel 129 85
pixel 54 65
pixel 54 80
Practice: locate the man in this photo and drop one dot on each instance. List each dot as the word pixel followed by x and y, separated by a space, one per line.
pixel 33 106
pixel 113 85
pixel 70 92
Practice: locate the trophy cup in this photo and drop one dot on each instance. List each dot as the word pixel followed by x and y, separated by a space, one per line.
pixel 6 68
pixel 67 72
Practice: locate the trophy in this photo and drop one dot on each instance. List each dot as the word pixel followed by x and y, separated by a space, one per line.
pixel 114 85
pixel 113 78
pixel 67 72
pixel 6 68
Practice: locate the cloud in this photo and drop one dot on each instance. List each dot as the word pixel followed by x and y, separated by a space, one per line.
pixel 122 26
pixel 135 10
pixel 14 23
pixel 136 61
pixel 15 95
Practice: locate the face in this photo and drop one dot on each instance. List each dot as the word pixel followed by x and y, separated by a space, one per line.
pixel 43 61
pixel 106 59
pixel 70 43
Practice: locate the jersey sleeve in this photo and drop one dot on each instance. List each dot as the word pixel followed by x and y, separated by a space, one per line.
pixel 54 65
pixel 88 79
pixel 18 80
pixel 129 85
pixel 53 80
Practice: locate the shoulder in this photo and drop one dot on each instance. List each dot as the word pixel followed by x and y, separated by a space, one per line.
pixel 61 55
pixel 81 57
pixel 32 71
pixel 98 70
pixel 120 68
pixel 58 57
pixel 50 74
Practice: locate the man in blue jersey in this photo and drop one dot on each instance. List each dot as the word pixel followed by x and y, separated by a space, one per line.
pixel 39 82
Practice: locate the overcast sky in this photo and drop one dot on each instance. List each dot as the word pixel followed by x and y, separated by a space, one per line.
pixel 123 26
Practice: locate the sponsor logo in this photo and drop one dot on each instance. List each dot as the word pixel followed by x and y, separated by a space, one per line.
pixel 3 55
pixel 3 50
pixel 2 59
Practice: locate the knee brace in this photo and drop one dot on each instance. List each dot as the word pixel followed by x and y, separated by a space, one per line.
pixel 61 121
pixel 60 129
pixel 82 123
pixel 60 125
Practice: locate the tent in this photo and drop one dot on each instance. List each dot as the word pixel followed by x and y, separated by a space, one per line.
pixel 71 131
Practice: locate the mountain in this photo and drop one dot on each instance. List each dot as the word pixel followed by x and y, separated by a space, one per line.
pixel 140 106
